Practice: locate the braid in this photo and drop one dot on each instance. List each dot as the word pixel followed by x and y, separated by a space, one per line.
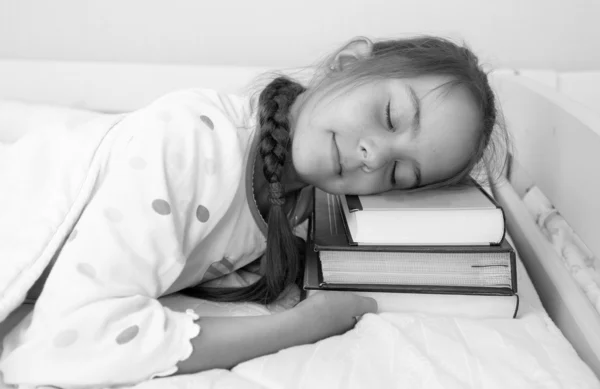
pixel 274 103
pixel 282 260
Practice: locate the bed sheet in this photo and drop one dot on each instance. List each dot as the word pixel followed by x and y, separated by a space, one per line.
pixel 395 350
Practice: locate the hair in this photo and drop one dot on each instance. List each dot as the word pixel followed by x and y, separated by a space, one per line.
pixel 402 58
pixel 426 56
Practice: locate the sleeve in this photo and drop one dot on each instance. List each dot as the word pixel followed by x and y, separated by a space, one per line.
pixel 170 176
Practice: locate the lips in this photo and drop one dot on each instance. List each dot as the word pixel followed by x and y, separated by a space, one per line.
pixel 336 155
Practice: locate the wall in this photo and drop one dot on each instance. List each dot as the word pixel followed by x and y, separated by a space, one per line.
pixel 515 33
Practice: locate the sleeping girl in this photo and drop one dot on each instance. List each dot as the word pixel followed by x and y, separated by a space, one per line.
pixel 200 192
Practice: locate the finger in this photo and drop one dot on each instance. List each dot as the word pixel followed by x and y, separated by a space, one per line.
pixel 368 305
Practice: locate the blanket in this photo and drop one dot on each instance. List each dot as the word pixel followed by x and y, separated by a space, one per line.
pixel 40 203
pixel 132 207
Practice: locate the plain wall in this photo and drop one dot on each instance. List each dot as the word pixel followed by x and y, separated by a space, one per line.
pixel 558 34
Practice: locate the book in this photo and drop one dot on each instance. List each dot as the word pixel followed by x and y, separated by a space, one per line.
pixel 455 215
pixel 439 269
pixel 421 300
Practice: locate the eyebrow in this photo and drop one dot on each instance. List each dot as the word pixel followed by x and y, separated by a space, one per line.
pixel 416 102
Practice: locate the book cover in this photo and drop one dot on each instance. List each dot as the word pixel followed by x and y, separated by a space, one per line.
pixel 329 238
pixel 459 215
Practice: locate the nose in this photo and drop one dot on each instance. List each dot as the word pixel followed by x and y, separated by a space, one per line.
pixel 373 153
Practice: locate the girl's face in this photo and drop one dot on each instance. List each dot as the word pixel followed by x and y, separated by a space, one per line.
pixel 382 135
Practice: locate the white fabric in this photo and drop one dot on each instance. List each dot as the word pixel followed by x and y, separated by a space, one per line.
pixel 153 201
pixel 38 201
pixel 393 350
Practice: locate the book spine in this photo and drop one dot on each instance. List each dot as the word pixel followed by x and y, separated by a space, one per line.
pixel 354 203
pixel 340 208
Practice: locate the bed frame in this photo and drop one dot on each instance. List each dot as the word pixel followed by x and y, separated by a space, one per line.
pixel 557 149
pixel 557 145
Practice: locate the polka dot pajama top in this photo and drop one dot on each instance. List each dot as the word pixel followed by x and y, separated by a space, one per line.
pixel 169 209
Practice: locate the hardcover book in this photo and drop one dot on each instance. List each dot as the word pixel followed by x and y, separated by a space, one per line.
pixel 439 269
pixel 456 215
pixel 413 299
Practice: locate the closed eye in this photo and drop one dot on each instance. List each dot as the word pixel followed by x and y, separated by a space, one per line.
pixel 388 117
pixel 394 174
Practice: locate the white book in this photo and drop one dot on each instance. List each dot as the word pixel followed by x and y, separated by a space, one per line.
pixel 457 215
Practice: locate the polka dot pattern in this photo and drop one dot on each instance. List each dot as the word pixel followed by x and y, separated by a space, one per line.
pixel 72 236
pixel 86 269
pixel 65 338
pixel 113 214
pixel 138 163
pixel 206 120
pixel 161 207
pixel 127 335
pixel 202 213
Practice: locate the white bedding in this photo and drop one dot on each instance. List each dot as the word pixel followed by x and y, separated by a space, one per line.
pixel 407 351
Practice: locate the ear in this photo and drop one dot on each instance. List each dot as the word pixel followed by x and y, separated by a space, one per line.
pixel 358 48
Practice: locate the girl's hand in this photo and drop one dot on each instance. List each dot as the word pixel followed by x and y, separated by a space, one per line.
pixel 335 312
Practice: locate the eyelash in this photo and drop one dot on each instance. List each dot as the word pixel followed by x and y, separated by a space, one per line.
pixel 391 129
pixel 388 117
pixel 394 173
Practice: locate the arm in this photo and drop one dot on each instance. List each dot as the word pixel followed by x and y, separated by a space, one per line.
pixel 226 341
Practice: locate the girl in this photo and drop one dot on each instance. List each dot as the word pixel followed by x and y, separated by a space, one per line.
pixel 183 193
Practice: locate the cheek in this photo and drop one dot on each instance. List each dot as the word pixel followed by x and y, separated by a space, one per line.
pixel 311 147
pixel 446 161
pixel 304 158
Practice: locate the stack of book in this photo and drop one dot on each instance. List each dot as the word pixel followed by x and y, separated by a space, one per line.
pixel 440 251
